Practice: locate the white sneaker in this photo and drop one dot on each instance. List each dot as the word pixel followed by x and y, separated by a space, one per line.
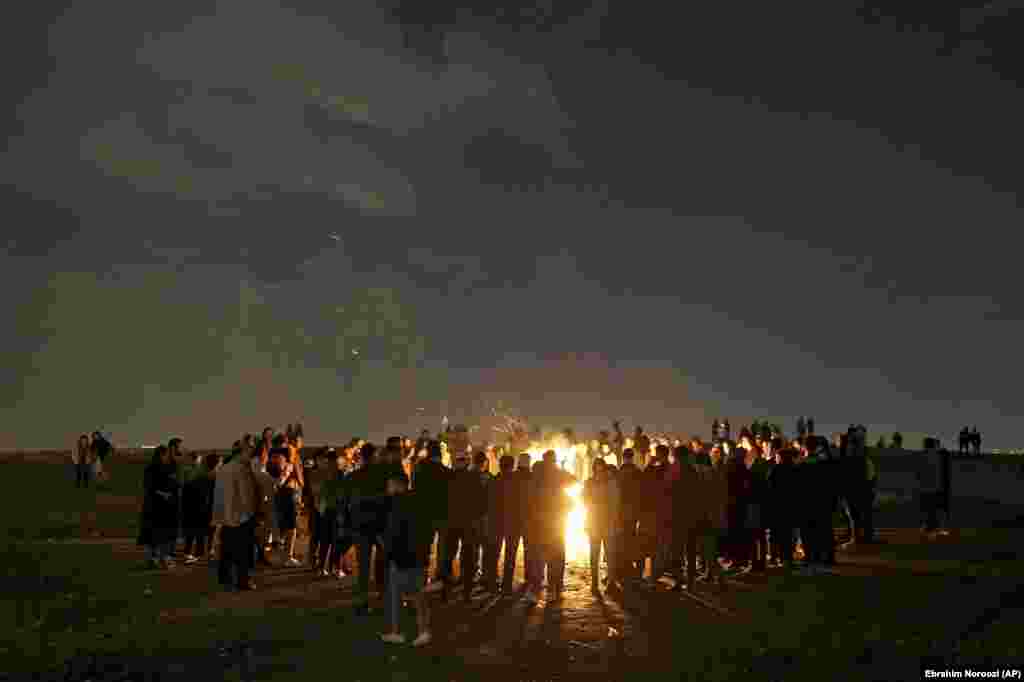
pixel 531 598
pixel 392 638
pixel 189 560
pixel 423 639
pixel 435 586
pixel 292 561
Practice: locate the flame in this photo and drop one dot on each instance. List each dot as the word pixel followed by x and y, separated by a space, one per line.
pixel 577 542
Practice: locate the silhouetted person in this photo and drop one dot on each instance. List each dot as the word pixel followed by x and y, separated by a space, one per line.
pixel 801 427
pixel 976 440
pixel 504 525
pixel 784 499
pixel 630 491
pixel 431 483
pixel 601 497
pixel 965 441
pixel 159 523
pixel 81 460
pixel 549 504
pixel 368 517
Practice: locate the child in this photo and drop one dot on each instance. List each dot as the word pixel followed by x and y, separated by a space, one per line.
pixel 405 542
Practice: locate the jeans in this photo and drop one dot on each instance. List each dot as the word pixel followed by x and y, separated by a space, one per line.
pixel 401 581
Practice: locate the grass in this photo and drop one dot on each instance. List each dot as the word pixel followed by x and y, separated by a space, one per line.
pixel 902 602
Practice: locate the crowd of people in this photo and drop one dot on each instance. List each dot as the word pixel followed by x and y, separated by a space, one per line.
pixel 699 511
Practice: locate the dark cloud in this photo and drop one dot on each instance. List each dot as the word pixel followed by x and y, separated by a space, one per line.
pixel 258 209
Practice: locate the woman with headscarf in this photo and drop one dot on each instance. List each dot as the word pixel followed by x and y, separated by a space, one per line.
pixel 158 529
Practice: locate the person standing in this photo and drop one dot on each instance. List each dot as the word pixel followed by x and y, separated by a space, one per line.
pixel 549 504
pixel 197 508
pixel 159 523
pixel 101 450
pixel 368 492
pixel 503 525
pixel 80 456
pixel 630 492
pixel 685 491
pixel 783 495
pixel 601 497
pixel 931 491
pixel 655 520
pixel 407 550
pixel 524 479
pixel 324 468
pixel 431 484
pixel 234 509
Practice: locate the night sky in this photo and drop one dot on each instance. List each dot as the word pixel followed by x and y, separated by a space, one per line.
pixel 224 215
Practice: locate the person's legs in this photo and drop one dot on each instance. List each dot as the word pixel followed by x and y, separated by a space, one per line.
pixel 422 615
pixel 470 548
pixel 557 566
pixel 243 557
pixel 511 552
pixel 224 570
pixel 364 546
pixel 595 562
pixel 492 551
pixel 394 597
pixel 691 558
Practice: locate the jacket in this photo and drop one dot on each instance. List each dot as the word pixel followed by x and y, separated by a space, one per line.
pixel 367 499
pixel 406 532
pixel 235 493
pixel 503 504
pixel 467 500
pixel 685 492
pixel 431 481
pixel 548 506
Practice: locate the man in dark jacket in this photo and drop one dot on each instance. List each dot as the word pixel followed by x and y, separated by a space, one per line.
pixel 630 491
pixel 467 512
pixel 504 525
pixel 405 539
pixel 368 515
pixel 524 481
pixel 548 505
pixel 783 496
pixel 431 483
pixel 686 516
pixel 655 511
